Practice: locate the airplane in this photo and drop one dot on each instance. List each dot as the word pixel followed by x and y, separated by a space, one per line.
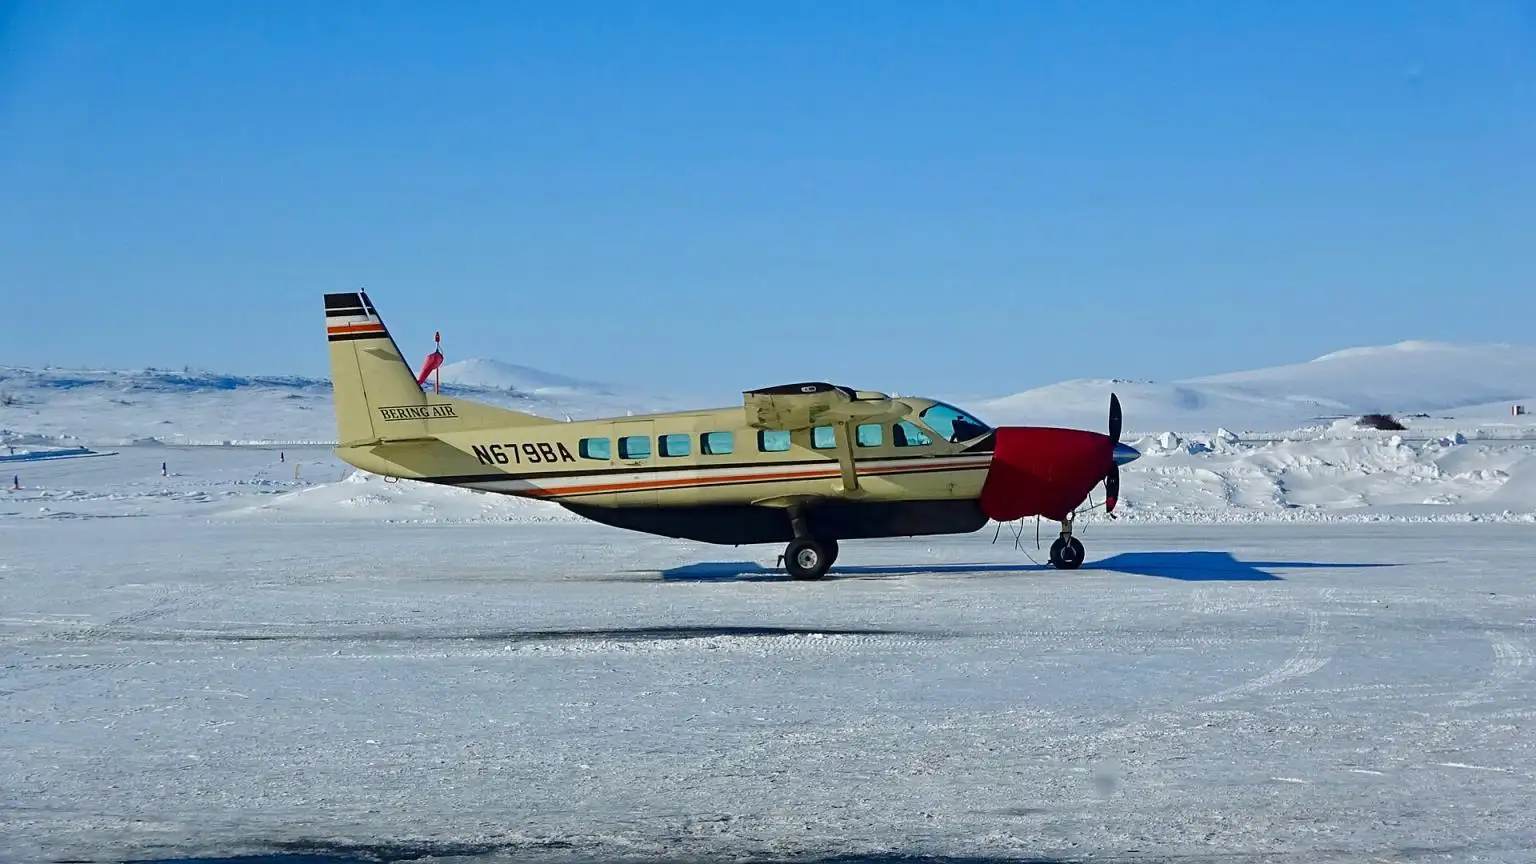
pixel 807 464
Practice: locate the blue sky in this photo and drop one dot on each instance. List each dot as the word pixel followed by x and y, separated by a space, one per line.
pixel 926 197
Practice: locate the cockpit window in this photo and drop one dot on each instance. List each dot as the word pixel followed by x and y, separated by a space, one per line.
pixel 952 424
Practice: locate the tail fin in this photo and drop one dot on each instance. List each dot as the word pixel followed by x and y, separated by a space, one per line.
pixel 376 394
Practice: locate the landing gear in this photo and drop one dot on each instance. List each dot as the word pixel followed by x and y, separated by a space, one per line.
pixel 808 556
pixel 1067 551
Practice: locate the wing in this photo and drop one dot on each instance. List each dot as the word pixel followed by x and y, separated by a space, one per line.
pixel 790 407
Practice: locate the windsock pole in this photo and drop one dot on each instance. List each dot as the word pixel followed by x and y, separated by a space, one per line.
pixel 431 365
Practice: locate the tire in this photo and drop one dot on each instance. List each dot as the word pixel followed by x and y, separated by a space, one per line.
pixel 1067 553
pixel 807 558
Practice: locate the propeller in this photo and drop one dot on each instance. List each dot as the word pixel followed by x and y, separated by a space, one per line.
pixel 1112 479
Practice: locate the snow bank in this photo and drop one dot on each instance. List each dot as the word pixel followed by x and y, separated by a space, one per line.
pixel 1327 478
pixel 370 497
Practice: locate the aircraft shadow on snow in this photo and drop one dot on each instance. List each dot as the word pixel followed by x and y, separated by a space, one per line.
pixel 1185 566
pixel 301 852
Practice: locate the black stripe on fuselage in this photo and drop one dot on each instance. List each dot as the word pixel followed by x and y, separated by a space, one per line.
pixel 343 301
pixel 711 466
pixel 344 311
pixel 741 524
pixel 349 337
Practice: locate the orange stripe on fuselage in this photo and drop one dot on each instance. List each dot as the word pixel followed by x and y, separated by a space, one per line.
pixel 356 328
pixel 642 485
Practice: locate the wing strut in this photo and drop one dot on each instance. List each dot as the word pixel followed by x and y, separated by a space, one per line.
pixel 844 433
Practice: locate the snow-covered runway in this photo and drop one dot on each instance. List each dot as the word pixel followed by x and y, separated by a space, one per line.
pixel 176 686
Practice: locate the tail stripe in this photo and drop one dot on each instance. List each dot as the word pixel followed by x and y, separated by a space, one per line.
pixel 352 337
pixel 343 301
pixel 360 327
pixel 351 316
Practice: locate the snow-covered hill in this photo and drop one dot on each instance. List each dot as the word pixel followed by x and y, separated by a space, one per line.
pixel 496 375
pixel 1457 386
pixel 1464 456
pixel 115 407
pixel 1466 383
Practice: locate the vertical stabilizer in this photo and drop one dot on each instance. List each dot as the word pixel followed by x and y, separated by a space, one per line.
pixel 368 373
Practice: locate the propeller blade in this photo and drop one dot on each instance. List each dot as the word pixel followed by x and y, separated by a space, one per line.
pixel 1112 479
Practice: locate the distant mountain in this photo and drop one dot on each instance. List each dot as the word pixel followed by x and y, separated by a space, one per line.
pixel 1407 378
pixel 116 407
pixel 497 375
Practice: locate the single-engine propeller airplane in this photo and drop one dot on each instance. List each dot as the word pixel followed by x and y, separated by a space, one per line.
pixel 806 464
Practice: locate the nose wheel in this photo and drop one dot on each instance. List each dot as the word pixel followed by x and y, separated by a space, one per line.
pixel 1067 551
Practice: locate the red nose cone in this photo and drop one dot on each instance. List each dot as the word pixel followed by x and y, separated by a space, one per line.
pixel 1041 471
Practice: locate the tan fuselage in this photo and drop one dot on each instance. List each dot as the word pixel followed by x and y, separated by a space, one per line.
pixel 569 462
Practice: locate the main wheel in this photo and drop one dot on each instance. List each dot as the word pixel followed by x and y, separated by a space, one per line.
pixel 809 558
pixel 1067 553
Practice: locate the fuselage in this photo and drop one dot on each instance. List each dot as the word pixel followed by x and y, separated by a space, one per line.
pixel 709 457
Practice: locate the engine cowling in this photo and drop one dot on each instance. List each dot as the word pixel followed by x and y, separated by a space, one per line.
pixel 1044 471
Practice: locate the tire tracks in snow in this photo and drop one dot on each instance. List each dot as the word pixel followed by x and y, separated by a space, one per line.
pixel 58 670
pixel 1313 651
pixel 1512 662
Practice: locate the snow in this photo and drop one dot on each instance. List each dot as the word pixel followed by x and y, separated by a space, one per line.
pixel 1349 478
pixel 190 685
pixel 374 498
pixel 1456 464
pixel 118 407
pixel 499 375
pixel 1298 642
pixel 1464 382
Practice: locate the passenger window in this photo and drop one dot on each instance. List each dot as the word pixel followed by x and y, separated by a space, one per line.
pixel 870 435
pixel 634 447
pixel 716 443
pixel 823 437
pixel 674 445
pixel 595 448
pixel 906 434
pixel 772 442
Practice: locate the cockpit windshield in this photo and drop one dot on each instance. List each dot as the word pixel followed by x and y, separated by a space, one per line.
pixel 951 423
